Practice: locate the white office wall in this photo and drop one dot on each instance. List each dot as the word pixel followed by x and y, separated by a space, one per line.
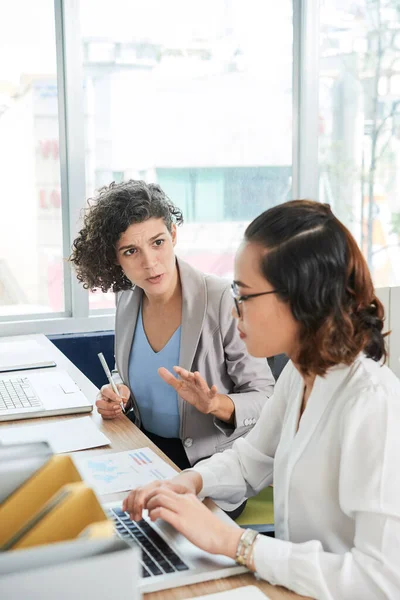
pixel 390 297
pixel 394 360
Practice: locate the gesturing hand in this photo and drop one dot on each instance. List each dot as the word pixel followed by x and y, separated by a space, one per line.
pixel 192 388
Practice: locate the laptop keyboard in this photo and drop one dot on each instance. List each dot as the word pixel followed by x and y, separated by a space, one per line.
pixel 17 393
pixel 158 558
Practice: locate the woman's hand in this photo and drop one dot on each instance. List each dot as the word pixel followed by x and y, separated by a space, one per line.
pixel 194 520
pixel 192 388
pixel 108 403
pixel 188 482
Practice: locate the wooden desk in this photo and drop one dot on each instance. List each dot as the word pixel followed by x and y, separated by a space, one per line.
pixel 123 435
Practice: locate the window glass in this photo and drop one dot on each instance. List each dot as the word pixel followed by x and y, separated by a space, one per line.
pixel 31 262
pixel 197 96
pixel 359 142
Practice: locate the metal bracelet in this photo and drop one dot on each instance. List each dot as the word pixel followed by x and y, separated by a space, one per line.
pixel 245 546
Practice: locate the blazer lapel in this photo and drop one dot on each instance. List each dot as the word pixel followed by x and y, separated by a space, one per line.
pixel 130 303
pixel 194 305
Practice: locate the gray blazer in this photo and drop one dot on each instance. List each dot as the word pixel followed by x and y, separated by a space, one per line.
pixel 210 344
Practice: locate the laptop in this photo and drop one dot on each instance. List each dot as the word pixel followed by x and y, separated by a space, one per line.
pixel 168 559
pixel 41 394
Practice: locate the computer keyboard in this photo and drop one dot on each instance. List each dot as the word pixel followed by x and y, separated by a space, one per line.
pixel 158 558
pixel 17 393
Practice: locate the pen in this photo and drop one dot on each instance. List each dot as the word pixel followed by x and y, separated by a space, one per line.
pixel 110 379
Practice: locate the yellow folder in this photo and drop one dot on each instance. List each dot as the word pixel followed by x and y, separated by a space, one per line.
pixel 19 508
pixel 101 529
pixel 63 517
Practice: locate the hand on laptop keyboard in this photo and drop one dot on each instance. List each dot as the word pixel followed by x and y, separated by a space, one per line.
pixel 185 483
pixel 195 521
pixel 176 502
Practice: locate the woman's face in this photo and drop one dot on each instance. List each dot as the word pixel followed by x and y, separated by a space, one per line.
pixel 145 251
pixel 266 323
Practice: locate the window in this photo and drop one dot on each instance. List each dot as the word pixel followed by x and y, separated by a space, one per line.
pixel 196 95
pixel 31 256
pixel 359 146
pixel 198 99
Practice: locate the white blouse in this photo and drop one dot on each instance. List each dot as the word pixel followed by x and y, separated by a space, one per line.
pixel 336 483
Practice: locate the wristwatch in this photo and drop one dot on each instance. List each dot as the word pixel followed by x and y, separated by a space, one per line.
pixel 245 546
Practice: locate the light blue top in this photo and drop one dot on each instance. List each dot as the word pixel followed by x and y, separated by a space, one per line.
pixel 157 401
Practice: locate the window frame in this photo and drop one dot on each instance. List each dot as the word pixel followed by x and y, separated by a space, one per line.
pixel 77 316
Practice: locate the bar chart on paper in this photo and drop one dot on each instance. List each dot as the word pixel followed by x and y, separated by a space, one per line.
pixel 122 471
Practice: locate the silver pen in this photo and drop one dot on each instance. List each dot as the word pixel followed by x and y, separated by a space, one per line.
pixel 109 377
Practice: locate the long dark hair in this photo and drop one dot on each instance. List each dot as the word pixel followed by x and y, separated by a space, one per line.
pixel 315 264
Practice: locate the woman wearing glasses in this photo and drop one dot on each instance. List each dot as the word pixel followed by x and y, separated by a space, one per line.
pixel 168 314
pixel 328 439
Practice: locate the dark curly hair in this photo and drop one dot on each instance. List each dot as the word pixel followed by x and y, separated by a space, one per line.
pixel 109 214
pixel 318 269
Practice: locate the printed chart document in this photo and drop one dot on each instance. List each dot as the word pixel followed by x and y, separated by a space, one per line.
pixel 63 436
pixel 20 355
pixel 122 471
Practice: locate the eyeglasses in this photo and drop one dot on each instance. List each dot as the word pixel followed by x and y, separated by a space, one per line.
pixel 238 299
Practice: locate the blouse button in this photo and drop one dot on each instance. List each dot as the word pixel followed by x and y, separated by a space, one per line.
pixel 187 442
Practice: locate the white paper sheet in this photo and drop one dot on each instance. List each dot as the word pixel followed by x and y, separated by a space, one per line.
pixel 23 354
pixel 123 471
pixel 63 436
pixel 248 592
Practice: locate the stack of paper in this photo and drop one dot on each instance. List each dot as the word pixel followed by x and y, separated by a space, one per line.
pixel 66 435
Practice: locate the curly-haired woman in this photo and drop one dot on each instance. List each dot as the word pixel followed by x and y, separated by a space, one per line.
pixel 329 437
pixel 168 314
